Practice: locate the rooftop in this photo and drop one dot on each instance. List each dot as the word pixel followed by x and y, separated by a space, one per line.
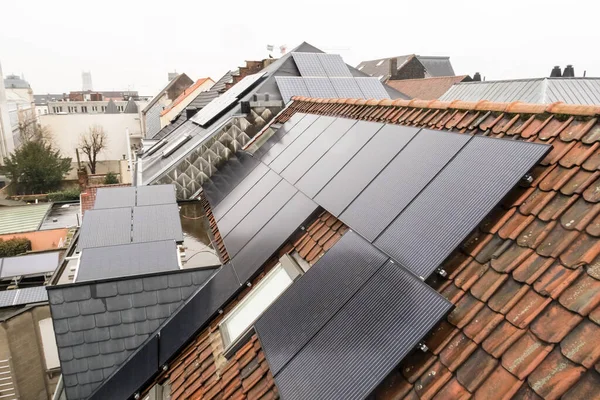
pixel 23 218
pixel 432 66
pixel 186 93
pixel 426 88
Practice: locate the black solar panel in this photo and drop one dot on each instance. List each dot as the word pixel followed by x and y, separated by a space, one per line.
pixel 228 177
pixel 126 260
pixel 323 170
pixel 470 186
pixel 155 194
pixel 297 168
pixel 252 197
pixel 364 167
pixel 300 312
pixel 152 223
pixel 95 232
pixel 276 137
pixel 300 144
pixel 334 65
pixel 401 180
pixel 362 343
pixel 272 236
pixel 116 197
pixel 288 138
pixel 258 217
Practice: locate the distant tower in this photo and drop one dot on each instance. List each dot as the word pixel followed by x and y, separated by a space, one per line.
pixel 173 75
pixel 86 78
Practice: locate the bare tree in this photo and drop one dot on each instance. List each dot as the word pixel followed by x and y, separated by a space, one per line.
pixel 92 142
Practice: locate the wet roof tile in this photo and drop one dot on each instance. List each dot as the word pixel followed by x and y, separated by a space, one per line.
pixel 415 364
pixel 577 154
pixel 453 390
pixel 593 162
pixel 577 129
pixel 440 336
pixel 593 135
pixel 507 296
pixel 579 215
pixel 554 376
pixel 515 225
pixel 532 268
pixel 553 128
pixel 528 307
pixel 469 275
pixel 511 258
pixel 582 251
pixel 579 182
pixel 554 209
pixel 554 323
pixel 582 345
pixel 485 287
pixel 582 296
pixel 536 202
pixel 457 351
pixel 434 378
pixel 592 193
pixel 535 233
pixel 476 369
pixel 393 387
pixel 525 355
pixel 483 324
pixel 556 242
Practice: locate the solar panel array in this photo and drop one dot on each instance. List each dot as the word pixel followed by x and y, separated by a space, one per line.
pixel 28 265
pixel 17 297
pixel 325 87
pixel 386 181
pixel 131 230
pixel 221 103
pixel 291 86
pixel 321 64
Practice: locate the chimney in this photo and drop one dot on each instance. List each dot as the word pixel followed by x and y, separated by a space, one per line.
pixel 569 72
pixel 477 77
pixel 393 67
pixel 555 72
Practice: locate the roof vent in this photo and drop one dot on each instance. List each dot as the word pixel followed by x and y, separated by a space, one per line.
pixel 477 77
pixel 245 107
pixel 556 73
pixel 569 72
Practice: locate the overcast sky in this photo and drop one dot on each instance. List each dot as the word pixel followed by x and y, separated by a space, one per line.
pixel 134 44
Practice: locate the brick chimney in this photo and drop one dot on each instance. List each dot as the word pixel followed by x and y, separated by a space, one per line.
pixel 555 72
pixel 393 67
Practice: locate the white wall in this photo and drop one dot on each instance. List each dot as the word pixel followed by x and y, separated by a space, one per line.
pixel 66 130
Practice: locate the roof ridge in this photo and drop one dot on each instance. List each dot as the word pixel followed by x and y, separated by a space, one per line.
pixel 483 105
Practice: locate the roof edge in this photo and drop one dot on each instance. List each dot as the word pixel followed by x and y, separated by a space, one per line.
pixel 483 105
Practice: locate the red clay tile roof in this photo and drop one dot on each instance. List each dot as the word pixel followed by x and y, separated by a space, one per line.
pixel 526 283
pixel 426 88
pixel 202 372
pixel 185 94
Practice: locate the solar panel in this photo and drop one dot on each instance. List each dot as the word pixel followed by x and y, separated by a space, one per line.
pixel 294 171
pixel 334 65
pixel 218 105
pixel 302 310
pixel 155 194
pixel 475 180
pixel 364 167
pixel 288 138
pixel 258 217
pixel 159 222
pixel 116 197
pixel 127 260
pixel 291 86
pixel 9 298
pixel 245 204
pixel 320 87
pixel 361 344
pixel 96 232
pixel 300 144
pixel 346 88
pixel 175 144
pixel 31 264
pixel 276 137
pixel 228 177
pixel 335 158
pixel 401 180
pixel 372 88
pixel 308 64
pixel 272 236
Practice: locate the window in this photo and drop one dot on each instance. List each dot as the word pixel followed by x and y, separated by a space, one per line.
pixel 95 108
pixel 49 344
pixel 45 111
pixel 239 321
pixel 120 108
pixel 84 109
pixel 103 108
pixel 72 109
pixel 380 62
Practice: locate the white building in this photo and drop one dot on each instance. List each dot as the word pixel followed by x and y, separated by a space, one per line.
pixel 18 106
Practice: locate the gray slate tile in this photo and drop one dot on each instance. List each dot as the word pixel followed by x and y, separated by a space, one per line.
pixel 96 335
pixel 55 296
pixel 144 299
pixel 122 331
pixel 118 303
pixel 155 283
pixel 70 380
pixel 90 376
pixel 108 319
pixel 86 350
pixel 61 326
pixel 170 295
pixel 92 306
pixel 74 366
pixel 108 289
pixel 69 339
pixel 81 323
pixel 130 286
pixel 65 310
pixel 158 311
pixel 111 346
pixel 133 315
pixel 76 293
pixel 179 280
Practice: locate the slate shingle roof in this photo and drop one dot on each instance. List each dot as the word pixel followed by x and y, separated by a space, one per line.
pixel 426 88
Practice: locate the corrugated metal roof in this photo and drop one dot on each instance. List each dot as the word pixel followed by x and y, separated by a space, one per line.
pixel 22 219
pixel 541 91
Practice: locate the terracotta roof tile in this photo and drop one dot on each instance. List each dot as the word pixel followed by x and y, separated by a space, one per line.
pixel 588 388
pixel 532 126
pixel 555 280
pixel 553 128
pixel 500 385
pixel 511 258
pixel 476 369
pixel 579 182
pixel 578 154
pixel 556 242
pixel 502 338
pixel 465 310
pixel 594 227
pixel 440 336
pixel 532 268
pixel 528 307
pixel 593 135
pixel 515 225
pixel 492 249
pixel 593 162
pixel 554 323
pixel 415 364
pixel 536 202
pixel 582 345
pixel 475 242
pixel 468 276
pixel 455 263
pixel 592 193
pixel 526 393
pixel 453 390
pixel 485 287
pixel 577 129
pixel 554 209
pixel 582 296
pixel 557 177
pixel 519 194
pixel 559 149
pixel 394 387
pixel 579 215
pixel 507 296
pixel 483 324
pixel 457 351
pixel 525 355
pixel 554 376
pixel 535 233
pixel 452 293
pixel 432 381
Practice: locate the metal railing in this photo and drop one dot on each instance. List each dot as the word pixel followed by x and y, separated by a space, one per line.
pixel 8 387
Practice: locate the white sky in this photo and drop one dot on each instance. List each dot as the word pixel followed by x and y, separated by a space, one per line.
pixel 133 44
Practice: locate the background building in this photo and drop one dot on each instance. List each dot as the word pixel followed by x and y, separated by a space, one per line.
pixel 86 78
